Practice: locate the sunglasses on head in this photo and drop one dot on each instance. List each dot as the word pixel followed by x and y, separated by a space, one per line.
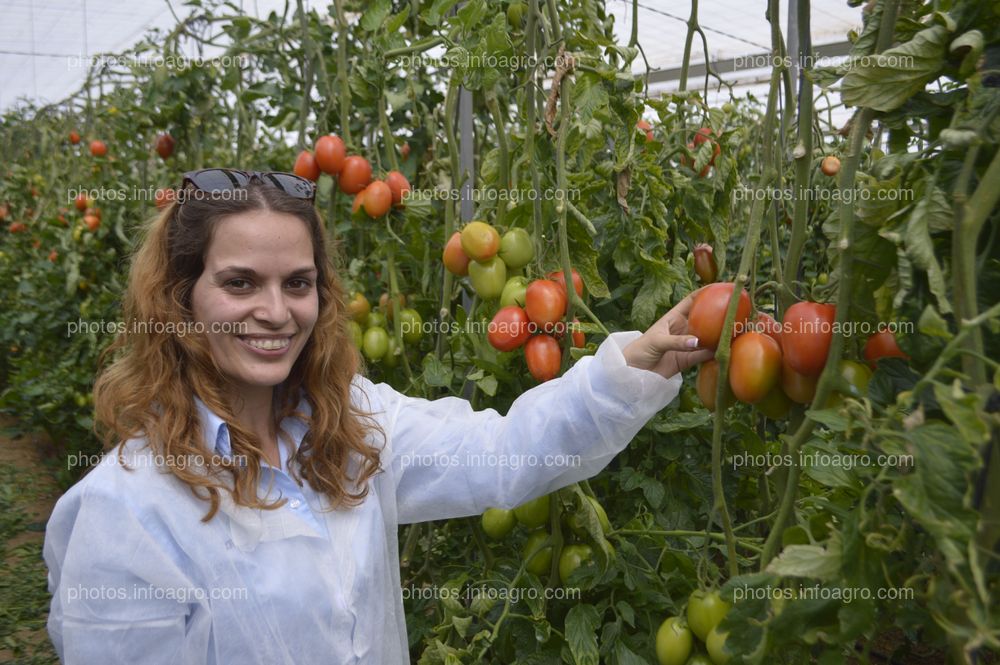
pixel 218 180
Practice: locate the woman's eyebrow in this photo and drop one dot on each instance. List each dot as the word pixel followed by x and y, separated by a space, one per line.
pixel 242 270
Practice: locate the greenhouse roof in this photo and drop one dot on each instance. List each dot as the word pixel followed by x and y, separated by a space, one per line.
pixel 45 45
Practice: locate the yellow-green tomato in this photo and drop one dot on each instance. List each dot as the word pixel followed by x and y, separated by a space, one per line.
pixel 716 645
pixel 516 248
pixel 534 513
pixel 375 343
pixel 571 558
pixel 498 522
pixel 355 332
pixel 673 642
pixel 488 277
pixel 538 559
pixel 704 612
pixel 853 382
pixel 411 325
pixel 513 292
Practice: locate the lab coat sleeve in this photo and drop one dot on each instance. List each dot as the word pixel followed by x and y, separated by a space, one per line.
pixel 450 461
pixel 115 586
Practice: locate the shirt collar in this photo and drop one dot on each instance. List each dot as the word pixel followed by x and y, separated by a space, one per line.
pixel 215 431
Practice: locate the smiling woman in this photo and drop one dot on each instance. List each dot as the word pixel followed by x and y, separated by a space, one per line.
pixel 251 511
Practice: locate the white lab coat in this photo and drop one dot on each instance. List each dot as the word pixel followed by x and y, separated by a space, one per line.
pixel 136 577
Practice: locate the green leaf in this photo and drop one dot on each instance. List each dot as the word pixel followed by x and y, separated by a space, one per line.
pixel 626 656
pixel 488 384
pixel 932 324
pixel 935 492
pixel 682 420
pixel 397 20
pixel 885 81
pixel 811 561
pixel 435 372
pixel 375 14
pixel 963 411
pixel 581 634
pixel 920 248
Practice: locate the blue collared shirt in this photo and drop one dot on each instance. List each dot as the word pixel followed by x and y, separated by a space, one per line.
pixel 136 576
pixel 216 432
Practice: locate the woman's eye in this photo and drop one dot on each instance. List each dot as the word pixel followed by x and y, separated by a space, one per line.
pixel 238 284
pixel 300 284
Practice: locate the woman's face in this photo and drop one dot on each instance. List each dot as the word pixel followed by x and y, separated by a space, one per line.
pixel 259 282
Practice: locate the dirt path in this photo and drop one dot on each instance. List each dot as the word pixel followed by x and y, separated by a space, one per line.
pixel 28 491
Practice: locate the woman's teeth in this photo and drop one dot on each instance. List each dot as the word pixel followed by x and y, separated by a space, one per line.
pixel 268 344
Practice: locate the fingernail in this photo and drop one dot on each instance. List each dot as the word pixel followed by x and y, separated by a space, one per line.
pixel 692 343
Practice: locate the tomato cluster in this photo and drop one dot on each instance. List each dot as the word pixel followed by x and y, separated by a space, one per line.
pixel 368 328
pixel 353 174
pixel 773 365
pixel 675 637
pixel 536 553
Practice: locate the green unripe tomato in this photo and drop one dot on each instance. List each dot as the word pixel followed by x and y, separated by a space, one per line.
pixel 571 558
pixel 704 612
pixel 716 645
pixel 393 353
pixel 375 343
pixel 488 277
pixel 355 332
pixel 538 559
pixel 376 319
pixel 534 513
pixel 516 248
pixel 412 325
pixel 513 292
pixel 498 522
pixel 673 642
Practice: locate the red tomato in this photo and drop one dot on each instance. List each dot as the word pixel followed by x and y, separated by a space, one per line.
pixel 404 151
pixel 454 258
pixel 882 345
pixel 98 148
pixel 579 340
pixel 559 277
pixel 704 263
pixel 830 166
pixel 399 186
pixel 74 137
pixel 355 175
pixel 545 302
pixel 164 146
pixel 377 199
pixel 646 127
pixel 709 313
pixel 799 387
pixel 330 153
pixel 509 329
pixel 707 383
pixel 703 134
pixel 17 227
pixel 755 367
pixel 543 356
pixel 306 166
pixel 807 330
pixel 82 202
